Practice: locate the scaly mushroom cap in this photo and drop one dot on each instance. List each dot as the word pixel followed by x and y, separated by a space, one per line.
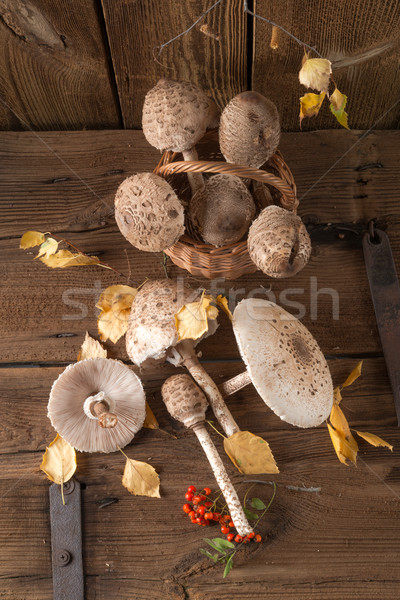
pixel 249 130
pixel 278 242
pixel 184 400
pixel 284 362
pixel 152 329
pixel 223 210
pixel 176 115
pixel 148 212
pixel 69 412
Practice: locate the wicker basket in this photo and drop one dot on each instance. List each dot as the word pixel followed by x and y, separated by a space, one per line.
pixel 233 260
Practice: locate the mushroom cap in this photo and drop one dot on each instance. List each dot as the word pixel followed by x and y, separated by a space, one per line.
pixel 222 210
pixel 278 242
pixel 123 392
pixel 284 362
pixel 152 329
pixel 249 129
pixel 184 399
pixel 176 115
pixel 148 212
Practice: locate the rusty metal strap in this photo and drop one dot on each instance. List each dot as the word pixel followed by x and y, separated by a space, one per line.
pixel 385 292
pixel 66 541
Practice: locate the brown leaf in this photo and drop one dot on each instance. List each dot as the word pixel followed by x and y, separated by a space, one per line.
pixel 141 479
pixel 374 440
pixel 65 258
pixel 337 106
pixel 346 449
pixel 355 374
pixel 91 348
pixel 30 239
pixel 250 454
pixel 150 421
pixel 59 461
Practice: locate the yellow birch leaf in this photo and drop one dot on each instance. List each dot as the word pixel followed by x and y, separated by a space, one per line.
pixel 65 258
pixel 150 421
pixel 337 106
pixel 91 348
pixel 355 374
pixel 121 296
pixel 310 105
pixel 223 303
pixel 191 320
pixel 141 479
pixel 315 73
pixel 115 303
pixel 250 454
pixel 337 396
pixel 31 239
pixel 48 248
pixel 344 448
pixel 59 461
pixel 374 440
pixel 339 421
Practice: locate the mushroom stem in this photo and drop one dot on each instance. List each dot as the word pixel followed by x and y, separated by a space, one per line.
pixel 196 180
pixel 201 377
pixel 235 384
pixel 224 483
pixel 106 419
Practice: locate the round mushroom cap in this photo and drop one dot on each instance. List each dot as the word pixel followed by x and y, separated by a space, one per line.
pixel 123 392
pixel 222 210
pixel 284 362
pixel 278 242
pixel 249 129
pixel 152 330
pixel 184 399
pixel 176 115
pixel 148 212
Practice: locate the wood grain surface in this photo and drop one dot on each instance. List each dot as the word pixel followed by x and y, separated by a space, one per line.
pixel 338 543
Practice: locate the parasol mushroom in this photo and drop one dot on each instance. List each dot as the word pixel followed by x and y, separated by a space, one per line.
pixel 152 335
pixel 278 242
pixel 186 402
pixel 97 405
pixel 148 212
pixel 222 210
pixel 284 363
pixel 176 115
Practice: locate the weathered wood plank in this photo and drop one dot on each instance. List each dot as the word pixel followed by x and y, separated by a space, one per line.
pixel 360 38
pixel 55 72
pixel 136 29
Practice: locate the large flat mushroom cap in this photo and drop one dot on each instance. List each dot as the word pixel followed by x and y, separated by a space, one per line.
pixel 284 362
pixel 123 391
pixel 176 115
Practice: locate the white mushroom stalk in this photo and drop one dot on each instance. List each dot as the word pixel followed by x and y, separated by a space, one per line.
pixel 152 335
pixel 284 363
pixel 97 405
pixel 186 402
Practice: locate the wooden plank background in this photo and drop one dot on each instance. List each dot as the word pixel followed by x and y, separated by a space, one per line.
pixel 90 66
pixel 339 543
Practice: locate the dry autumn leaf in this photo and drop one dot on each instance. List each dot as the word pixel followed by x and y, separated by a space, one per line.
pixel 150 421
pixel 355 374
pixel 48 248
pixel 250 454
pixel 192 319
pixel 344 448
pixel 315 73
pixel 337 106
pixel 65 258
pixel 140 479
pixel 91 348
pixel 30 239
pixel 222 302
pixel 115 304
pixel 339 421
pixel 310 105
pixel 373 439
pixel 337 396
pixel 59 461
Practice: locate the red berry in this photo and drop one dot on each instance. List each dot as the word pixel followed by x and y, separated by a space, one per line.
pixel 209 516
pixel 192 514
pixel 217 516
pixel 230 537
pixel 208 504
pixel 251 535
pixel 196 499
pixel 186 508
pixel 201 510
pixel 238 538
pixel 198 519
pixel 224 529
pixel 191 489
pixel 207 491
pixel 194 520
pixel 231 524
pixel 189 496
pixel 226 518
pixel 258 538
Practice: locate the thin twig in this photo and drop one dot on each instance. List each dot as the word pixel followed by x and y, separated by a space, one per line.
pixel 293 488
pixel 129 265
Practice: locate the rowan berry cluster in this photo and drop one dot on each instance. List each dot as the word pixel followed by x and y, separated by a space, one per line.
pixel 202 509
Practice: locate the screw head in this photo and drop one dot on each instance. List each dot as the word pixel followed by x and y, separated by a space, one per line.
pixel 69 486
pixel 63 558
